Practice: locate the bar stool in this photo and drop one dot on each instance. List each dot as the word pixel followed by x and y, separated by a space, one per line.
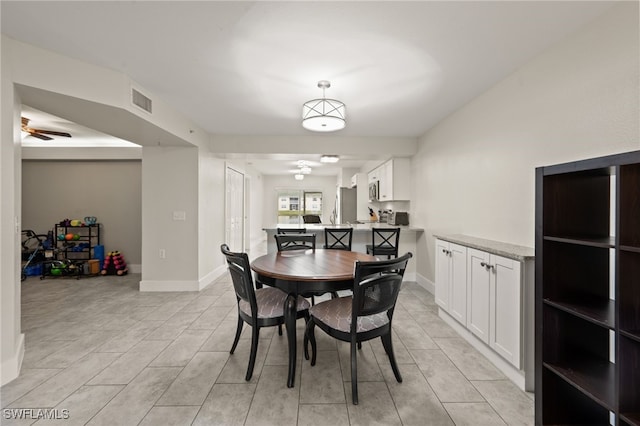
pixel 338 238
pixel 385 242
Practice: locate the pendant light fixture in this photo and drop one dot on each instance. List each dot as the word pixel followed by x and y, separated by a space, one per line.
pixel 323 115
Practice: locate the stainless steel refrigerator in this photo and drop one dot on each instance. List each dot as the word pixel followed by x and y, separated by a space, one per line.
pixel 346 206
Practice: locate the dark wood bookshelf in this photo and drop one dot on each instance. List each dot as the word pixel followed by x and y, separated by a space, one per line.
pixel 576 318
pixel 598 311
pixel 602 242
pixel 630 418
pixel 592 376
pixel 631 334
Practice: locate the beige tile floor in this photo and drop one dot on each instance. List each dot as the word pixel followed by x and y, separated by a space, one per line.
pixel 111 355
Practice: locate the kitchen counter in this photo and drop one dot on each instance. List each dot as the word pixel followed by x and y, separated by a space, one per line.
pixel 500 248
pixel 361 237
pixel 357 227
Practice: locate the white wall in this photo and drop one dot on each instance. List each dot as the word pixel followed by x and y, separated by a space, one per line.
pixel 108 190
pixel 211 189
pixel 271 185
pixel 170 185
pixel 11 339
pixel 474 171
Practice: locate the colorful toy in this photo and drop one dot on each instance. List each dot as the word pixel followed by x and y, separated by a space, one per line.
pixel 114 264
pixel 68 237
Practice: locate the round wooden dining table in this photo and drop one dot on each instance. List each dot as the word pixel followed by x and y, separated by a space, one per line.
pixel 305 272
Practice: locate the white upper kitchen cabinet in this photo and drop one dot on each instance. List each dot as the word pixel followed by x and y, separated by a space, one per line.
pixel 394 179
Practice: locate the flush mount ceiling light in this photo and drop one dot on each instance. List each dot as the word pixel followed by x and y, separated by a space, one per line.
pixel 329 159
pixel 323 115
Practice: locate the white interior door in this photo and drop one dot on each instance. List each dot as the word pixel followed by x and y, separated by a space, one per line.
pixel 234 212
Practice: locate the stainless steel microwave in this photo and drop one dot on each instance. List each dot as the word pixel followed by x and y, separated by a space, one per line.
pixel 374 190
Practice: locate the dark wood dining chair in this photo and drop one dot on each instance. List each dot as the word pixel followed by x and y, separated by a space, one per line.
pixel 338 238
pixel 291 230
pixel 295 241
pixel 384 242
pixel 263 307
pixel 365 316
pixel 311 218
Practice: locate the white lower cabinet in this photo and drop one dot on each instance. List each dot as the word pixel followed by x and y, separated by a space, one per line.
pixel 478 283
pixel 482 291
pixel 494 302
pixel 451 279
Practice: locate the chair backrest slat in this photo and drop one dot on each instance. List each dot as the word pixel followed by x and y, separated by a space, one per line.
pixel 338 238
pixel 240 271
pixel 376 286
pixel 385 237
pixel 291 230
pixel 295 241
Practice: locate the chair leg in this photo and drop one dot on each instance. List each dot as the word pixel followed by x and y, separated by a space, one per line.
pixel 238 333
pixel 279 329
pixel 354 373
pixel 310 336
pixel 388 347
pixel 359 345
pixel 306 337
pixel 255 337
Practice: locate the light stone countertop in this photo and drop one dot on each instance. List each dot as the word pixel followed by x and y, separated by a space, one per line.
pixel 500 248
pixel 357 227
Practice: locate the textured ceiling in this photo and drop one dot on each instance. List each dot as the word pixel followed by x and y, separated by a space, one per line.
pixel 245 68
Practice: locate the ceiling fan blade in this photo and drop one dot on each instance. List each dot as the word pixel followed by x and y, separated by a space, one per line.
pixel 39 136
pixel 51 132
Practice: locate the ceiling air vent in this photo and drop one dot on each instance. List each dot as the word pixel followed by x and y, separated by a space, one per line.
pixel 141 100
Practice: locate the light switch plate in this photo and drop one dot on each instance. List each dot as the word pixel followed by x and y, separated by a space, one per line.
pixel 179 215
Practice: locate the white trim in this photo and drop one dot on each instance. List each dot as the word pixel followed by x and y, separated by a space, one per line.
pixel 169 285
pixel 10 368
pixel 212 276
pixel 135 268
pixel 198 285
pixel 512 373
pixel 426 283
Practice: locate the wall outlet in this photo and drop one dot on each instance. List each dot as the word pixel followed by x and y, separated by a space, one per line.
pixel 163 254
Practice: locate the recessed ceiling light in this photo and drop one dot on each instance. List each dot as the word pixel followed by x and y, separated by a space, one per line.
pixel 329 159
pixel 298 176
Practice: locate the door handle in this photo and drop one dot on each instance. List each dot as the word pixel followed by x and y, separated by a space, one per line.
pixel 487 266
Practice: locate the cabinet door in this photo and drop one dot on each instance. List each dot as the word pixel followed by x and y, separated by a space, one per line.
pixel 443 273
pixel 458 282
pixel 386 181
pixel 374 175
pixel 504 336
pixel 478 283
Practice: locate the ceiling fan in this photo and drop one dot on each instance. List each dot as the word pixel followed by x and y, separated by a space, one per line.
pixel 40 133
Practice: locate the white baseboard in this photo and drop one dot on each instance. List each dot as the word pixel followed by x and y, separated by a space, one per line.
pixel 212 276
pixel 169 285
pixel 10 368
pixel 512 373
pixel 426 283
pixel 172 285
